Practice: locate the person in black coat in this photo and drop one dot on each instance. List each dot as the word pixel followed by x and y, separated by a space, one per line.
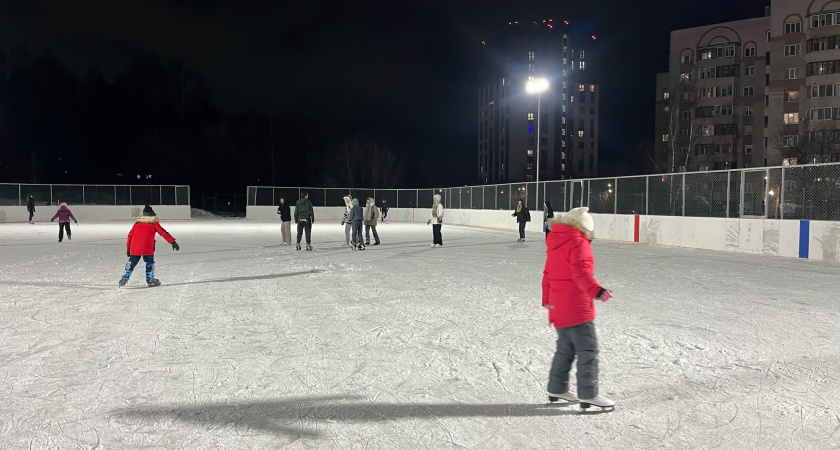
pixel 384 209
pixel 523 216
pixel 548 214
pixel 30 206
pixel 286 217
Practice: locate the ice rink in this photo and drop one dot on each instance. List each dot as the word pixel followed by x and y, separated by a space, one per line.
pixel 248 344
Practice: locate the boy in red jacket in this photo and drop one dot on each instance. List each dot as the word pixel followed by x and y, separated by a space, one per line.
pixel 569 287
pixel 141 243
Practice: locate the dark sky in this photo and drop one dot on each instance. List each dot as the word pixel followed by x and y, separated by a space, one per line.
pixel 405 69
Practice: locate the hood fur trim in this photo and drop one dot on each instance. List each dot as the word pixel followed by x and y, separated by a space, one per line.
pixel 147 219
pixel 571 223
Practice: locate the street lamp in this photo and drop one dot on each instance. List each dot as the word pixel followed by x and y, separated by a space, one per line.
pixel 537 86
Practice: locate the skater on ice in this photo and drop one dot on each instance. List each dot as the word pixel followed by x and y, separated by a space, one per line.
pixel 30 206
pixel 304 217
pixel 436 220
pixel 568 292
pixel 548 214
pixel 384 209
pixel 523 216
pixel 63 215
pixel 357 217
pixel 348 226
pixel 286 219
pixel 371 218
pixel 141 244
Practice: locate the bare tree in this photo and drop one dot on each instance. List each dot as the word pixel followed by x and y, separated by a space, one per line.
pixel 816 141
pixel 682 136
pixel 365 163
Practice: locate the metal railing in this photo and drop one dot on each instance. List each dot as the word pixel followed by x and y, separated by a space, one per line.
pixel 91 194
pixel 791 192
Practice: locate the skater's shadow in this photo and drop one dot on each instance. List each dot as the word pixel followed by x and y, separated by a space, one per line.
pixel 250 278
pixel 305 416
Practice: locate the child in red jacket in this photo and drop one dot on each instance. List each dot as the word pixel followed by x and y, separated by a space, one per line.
pixel 569 287
pixel 141 243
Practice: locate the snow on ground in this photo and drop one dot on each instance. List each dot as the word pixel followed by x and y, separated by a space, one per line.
pixel 249 344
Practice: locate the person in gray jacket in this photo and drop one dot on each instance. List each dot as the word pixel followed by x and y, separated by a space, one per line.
pixel 371 217
pixel 357 216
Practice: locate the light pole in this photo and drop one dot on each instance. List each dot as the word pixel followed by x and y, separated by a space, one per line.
pixel 537 86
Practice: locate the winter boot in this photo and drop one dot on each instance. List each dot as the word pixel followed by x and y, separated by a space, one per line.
pixel 599 401
pixel 308 247
pixel 123 280
pixel 566 397
pixel 297 246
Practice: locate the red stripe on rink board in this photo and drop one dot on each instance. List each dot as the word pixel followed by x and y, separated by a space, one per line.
pixel 636 229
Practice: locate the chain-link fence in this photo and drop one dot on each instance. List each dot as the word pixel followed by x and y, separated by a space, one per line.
pixel 792 192
pixel 77 194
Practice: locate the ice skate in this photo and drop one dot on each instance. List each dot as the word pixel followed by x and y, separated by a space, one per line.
pixel 308 248
pixel 152 282
pixel 520 240
pixel 297 246
pixel 599 401
pixel 566 397
pixel 123 280
pixel 361 247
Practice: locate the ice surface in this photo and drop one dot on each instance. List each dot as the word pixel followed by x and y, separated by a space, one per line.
pixel 252 345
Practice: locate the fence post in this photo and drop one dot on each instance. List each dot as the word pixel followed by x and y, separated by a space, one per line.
pixel 741 200
pixel 51 196
pixel 782 194
pixel 683 194
pixel 19 201
pixel 615 197
pixel 647 194
pixel 728 184
pixel 766 190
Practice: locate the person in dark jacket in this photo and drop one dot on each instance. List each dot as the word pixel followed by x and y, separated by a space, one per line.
pixel 286 218
pixel 141 244
pixel 384 209
pixel 523 216
pixel 569 290
pixel 30 206
pixel 64 215
pixel 371 219
pixel 304 217
pixel 357 216
pixel 548 214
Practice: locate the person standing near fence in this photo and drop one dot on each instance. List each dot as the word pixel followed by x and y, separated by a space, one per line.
pixel 384 209
pixel 286 218
pixel 357 216
pixel 371 218
pixel 548 214
pixel 30 206
pixel 523 216
pixel 436 220
pixel 348 226
pixel 304 217
pixel 64 215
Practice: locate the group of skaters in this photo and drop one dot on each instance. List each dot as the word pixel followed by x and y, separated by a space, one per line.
pixel 569 288
pixel 64 215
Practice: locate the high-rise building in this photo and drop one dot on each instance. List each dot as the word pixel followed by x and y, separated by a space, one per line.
pixel 752 93
pixel 508 116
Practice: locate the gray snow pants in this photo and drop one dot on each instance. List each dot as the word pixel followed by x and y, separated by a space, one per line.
pixel 580 341
pixel 348 227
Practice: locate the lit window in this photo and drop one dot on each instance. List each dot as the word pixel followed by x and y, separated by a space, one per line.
pixel 582 65
pixel 531 77
pixel 591 88
pixel 530 153
pixel 580 133
pixel 530 116
pixel 666 95
pixel 581 87
pixel 792 73
pixel 664 138
pixel 791 118
pixel 530 67
pixel 792 96
pixel 581 54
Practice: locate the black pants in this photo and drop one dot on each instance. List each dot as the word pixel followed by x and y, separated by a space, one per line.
pixel 31 213
pixel 61 226
pixel 384 215
pixel 367 234
pixel 522 230
pixel 437 238
pixel 304 225
pixel 356 239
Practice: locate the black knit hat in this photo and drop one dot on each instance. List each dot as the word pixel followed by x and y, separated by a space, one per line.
pixel 148 211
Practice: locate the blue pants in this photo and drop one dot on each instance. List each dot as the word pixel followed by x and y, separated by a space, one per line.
pixel 134 259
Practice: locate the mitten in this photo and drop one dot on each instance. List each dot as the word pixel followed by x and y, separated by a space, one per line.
pixel 605 295
pixel 177 247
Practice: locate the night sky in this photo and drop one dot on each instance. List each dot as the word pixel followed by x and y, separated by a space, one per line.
pixel 403 70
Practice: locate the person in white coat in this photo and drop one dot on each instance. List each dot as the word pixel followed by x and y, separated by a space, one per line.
pixel 436 220
pixel 348 227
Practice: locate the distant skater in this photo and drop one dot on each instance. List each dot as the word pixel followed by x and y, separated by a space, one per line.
pixel 523 216
pixel 30 206
pixel 384 209
pixel 286 218
pixel 348 226
pixel 548 214
pixel 568 292
pixel 436 220
pixel 357 217
pixel 304 217
pixel 141 244
pixel 64 215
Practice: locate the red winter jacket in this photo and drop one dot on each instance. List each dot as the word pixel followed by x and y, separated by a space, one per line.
pixel 141 238
pixel 569 286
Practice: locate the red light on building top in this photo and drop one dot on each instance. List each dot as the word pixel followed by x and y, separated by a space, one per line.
pixel 566 22
pixel 483 43
pixel 594 37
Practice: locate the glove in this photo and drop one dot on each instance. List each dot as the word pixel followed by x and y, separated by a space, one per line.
pixel 605 295
pixel 342 222
pixel 128 252
pixel 177 247
pixel 76 221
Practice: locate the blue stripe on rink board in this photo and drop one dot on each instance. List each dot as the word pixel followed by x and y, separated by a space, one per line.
pixel 804 237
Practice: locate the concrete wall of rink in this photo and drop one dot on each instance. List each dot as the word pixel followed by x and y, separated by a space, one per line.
pixel 809 239
pixel 94 213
